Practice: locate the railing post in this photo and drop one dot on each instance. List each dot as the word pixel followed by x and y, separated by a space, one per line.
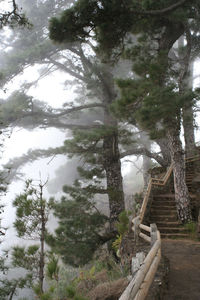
pixel 137 262
pixel 153 233
pixel 198 225
pixel 136 229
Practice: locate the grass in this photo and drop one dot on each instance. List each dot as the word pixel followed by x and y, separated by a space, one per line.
pixel 192 230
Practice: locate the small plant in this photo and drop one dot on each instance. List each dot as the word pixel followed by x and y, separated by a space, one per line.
pixel 70 292
pixel 138 198
pixel 191 228
pixel 122 226
pixel 78 297
pixel 45 296
pixel 116 244
pixel 53 267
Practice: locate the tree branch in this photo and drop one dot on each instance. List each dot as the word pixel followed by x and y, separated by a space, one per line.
pixel 144 151
pixel 161 11
pixel 186 59
pixel 8 18
pixel 74 109
pixel 66 69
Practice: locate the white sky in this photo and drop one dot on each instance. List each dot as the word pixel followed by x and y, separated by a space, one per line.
pixel 49 90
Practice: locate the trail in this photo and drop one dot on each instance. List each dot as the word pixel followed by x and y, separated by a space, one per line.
pixel 184 276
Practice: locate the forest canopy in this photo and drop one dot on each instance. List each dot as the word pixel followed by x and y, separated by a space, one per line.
pixel 128 69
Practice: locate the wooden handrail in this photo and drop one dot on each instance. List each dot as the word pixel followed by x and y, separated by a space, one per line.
pixel 139 285
pixel 160 182
pixel 154 181
pixel 145 201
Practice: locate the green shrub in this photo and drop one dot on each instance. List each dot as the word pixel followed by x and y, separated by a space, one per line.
pixel 192 229
pixel 116 244
pixel 80 298
pixel 122 226
pixel 70 292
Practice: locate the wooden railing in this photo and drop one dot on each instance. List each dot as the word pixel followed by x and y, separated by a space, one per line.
pixel 142 279
pixel 153 181
pixel 160 182
pixel 141 282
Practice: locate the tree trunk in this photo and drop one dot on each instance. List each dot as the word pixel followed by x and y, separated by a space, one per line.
pixel 111 155
pixel 181 191
pixel 164 147
pixel 185 83
pixel 188 118
pixel 188 126
pixel 42 237
pixel 147 164
pixel 112 167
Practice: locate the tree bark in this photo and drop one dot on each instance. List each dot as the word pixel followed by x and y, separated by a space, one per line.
pixel 42 237
pixel 188 118
pixel 188 126
pixel 146 166
pixel 182 197
pixel 186 82
pixel 147 163
pixel 112 165
pixel 164 147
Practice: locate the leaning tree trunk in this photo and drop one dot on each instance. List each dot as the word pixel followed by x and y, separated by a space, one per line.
pixel 146 166
pixel 182 197
pixel 42 238
pixel 146 161
pixel 186 83
pixel 111 155
pixel 188 126
pixel 188 117
pixel 164 147
pixel 112 166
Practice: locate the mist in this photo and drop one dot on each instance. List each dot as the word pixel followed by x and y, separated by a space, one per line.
pixel 55 101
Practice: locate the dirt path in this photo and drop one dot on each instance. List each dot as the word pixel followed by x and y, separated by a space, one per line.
pixel 184 277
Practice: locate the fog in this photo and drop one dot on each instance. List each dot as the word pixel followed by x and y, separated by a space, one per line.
pixel 52 80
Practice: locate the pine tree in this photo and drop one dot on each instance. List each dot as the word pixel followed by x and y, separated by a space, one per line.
pixel 10 287
pixel 81 226
pixel 159 25
pixel 13 17
pixel 31 219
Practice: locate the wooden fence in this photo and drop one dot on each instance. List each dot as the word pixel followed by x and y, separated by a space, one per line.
pixel 139 285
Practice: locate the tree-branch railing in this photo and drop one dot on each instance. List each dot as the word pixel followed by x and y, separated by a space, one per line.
pixel 139 285
pixel 160 182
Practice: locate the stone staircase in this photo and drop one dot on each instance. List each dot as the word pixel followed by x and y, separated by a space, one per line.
pixel 163 208
pixel 163 213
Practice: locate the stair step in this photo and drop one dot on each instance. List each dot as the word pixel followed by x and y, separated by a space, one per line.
pixel 163 207
pixel 164 203
pixel 163 212
pixel 163 200
pixel 167 195
pixel 172 229
pixel 174 235
pixel 168 224
pixel 164 218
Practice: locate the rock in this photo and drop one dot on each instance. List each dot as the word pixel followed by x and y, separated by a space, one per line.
pixel 108 290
